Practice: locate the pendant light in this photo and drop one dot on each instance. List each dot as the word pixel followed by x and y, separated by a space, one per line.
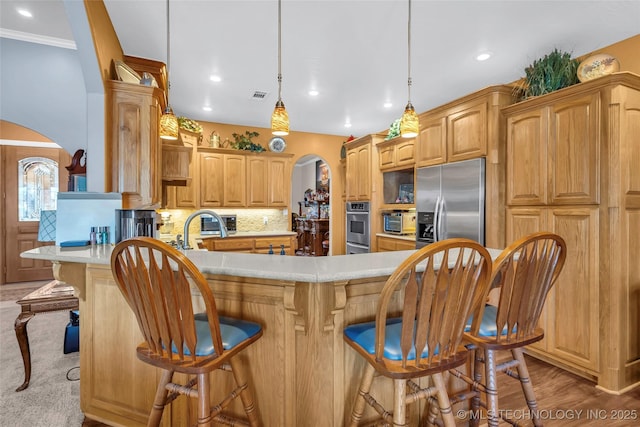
pixel 280 117
pixel 409 124
pixel 168 121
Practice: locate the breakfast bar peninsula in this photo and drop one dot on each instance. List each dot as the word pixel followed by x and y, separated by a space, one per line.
pixel 302 372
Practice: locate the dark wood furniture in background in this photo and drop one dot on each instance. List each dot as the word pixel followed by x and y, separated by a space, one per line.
pixel 51 297
pixel 76 168
pixel 311 233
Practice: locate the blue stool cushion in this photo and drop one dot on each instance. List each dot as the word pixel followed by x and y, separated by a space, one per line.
pixel 364 334
pixel 488 325
pixel 233 331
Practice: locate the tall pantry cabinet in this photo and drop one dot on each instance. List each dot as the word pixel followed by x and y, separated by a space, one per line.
pixel 573 168
pixel 133 143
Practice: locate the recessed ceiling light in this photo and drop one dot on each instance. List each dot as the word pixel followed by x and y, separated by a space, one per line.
pixel 25 13
pixel 313 92
pixel 483 56
pixel 387 105
pixel 215 78
pixel 347 125
pixel 206 108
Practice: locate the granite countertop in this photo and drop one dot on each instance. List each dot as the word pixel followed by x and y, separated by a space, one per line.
pixel 303 269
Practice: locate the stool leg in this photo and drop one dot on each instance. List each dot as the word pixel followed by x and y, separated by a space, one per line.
pixel 477 377
pixel 443 400
pixel 399 403
pixel 160 399
pixel 365 386
pixel 491 382
pixel 245 395
pixel 20 328
pixel 204 405
pixel 527 387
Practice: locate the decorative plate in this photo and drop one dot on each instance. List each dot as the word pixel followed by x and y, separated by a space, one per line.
pixel 277 144
pixel 126 73
pixel 597 66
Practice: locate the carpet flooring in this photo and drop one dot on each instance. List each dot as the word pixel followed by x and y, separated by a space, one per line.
pixel 53 396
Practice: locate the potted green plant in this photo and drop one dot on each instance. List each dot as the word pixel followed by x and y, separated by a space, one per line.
pixel 190 131
pixel 554 71
pixel 244 142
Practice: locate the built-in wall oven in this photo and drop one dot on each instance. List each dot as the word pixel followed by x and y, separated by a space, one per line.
pixel 358 224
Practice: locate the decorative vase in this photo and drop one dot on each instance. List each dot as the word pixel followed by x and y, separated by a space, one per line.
pixel 343 151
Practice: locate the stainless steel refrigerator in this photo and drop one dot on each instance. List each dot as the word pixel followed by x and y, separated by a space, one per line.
pixel 450 202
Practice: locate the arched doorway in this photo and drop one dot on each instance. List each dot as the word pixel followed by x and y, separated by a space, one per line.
pixel 311 187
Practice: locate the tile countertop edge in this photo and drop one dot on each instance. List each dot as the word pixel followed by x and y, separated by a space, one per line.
pixel 290 268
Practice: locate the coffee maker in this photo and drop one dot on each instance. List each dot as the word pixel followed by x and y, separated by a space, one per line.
pixel 135 222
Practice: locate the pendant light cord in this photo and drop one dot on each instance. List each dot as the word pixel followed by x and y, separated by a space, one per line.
pixel 279 50
pixel 409 53
pixel 168 55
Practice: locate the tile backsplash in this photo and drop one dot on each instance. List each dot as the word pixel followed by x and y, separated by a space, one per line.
pixel 247 219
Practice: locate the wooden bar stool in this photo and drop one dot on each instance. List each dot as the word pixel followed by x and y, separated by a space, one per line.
pixel 425 340
pixel 524 273
pixel 155 280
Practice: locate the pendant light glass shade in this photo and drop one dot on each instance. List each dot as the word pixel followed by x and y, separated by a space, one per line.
pixel 168 125
pixel 168 120
pixel 280 120
pixel 280 117
pixel 409 123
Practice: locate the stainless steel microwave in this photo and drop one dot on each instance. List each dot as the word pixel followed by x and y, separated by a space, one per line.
pixel 399 222
pixel 210 226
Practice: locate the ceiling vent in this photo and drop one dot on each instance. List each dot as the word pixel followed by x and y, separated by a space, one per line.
pixel 259 95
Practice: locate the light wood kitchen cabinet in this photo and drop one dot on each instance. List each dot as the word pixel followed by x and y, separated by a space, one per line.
pixel 396 153
pixel 359 167
pixel 386 244
pixel 222 180
pixel 211 169
pixel 555 146
pixel 232 178
pixel 257 182
pixel 572 169
pixel 133 143
pixel 251 244
pixel 467 128
pixel 471 127
pixel 268 181
pixel 235 180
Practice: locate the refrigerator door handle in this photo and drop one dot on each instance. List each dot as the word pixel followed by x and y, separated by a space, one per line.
pixel 436 221
pixel 441 233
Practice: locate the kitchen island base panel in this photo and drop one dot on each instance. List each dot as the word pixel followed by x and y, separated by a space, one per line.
pixel 301 370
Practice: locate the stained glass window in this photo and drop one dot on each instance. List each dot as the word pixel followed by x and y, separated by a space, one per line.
pixel 37 187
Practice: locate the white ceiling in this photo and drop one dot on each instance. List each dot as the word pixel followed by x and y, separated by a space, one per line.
pixel 353 52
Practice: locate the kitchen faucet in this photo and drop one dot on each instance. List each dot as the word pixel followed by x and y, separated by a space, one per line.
pixel 223 226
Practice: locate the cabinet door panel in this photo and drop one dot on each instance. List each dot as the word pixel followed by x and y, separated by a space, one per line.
pixel 364 172
pixel 235 191
pixel 387 157
pixel 431 143
pixel 211 180
pixel 522 222
pixel 405 153
pixel 467 133
pixel 279 182
pixel 574 149
pixel 573 324
pixel 527 158
pixel 257 182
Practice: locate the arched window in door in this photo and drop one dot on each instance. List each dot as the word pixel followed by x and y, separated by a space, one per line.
pixel 37 187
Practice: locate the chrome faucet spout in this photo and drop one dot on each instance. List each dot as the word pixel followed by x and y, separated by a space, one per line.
pixel 223 226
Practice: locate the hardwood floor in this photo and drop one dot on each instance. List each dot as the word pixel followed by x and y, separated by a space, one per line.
pixel 564 399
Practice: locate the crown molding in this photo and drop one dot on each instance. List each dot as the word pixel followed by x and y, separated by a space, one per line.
pixel 35 38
